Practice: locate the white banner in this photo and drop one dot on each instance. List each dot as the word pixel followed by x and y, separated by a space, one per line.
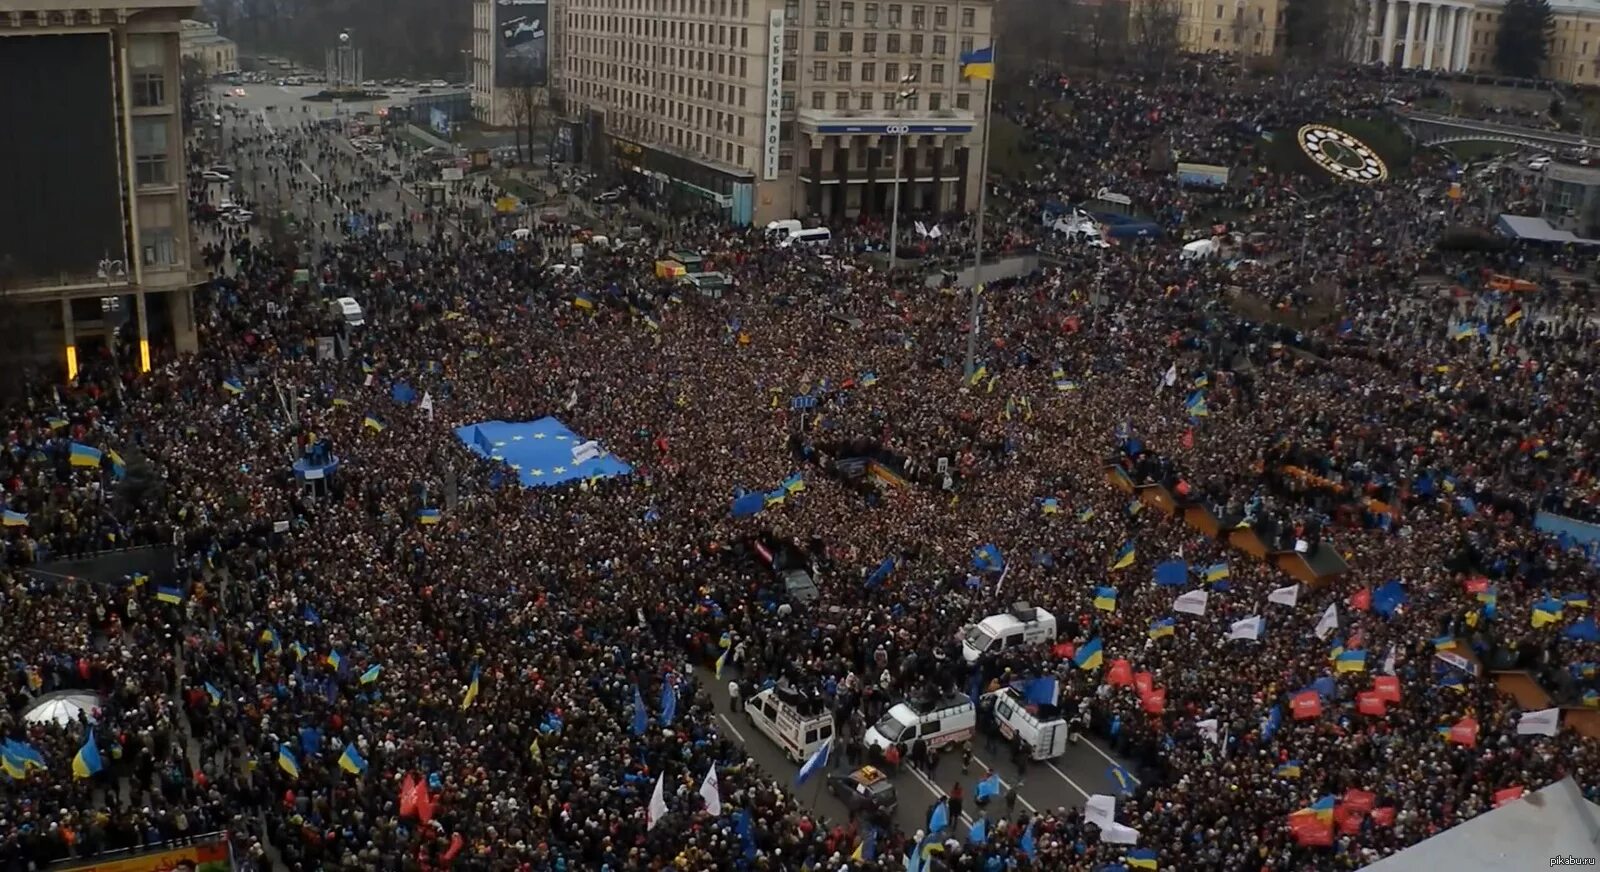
pixel 772 141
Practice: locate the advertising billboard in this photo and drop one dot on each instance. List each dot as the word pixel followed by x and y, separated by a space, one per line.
pixel 60 168
pixel 521 43
pixel 770 139
pixel 1199 175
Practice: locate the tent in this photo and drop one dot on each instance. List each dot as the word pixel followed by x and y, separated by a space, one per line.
pixel 1521 834
pixel 1537 230
pixel 62 708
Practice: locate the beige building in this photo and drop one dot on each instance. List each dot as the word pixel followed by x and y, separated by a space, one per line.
pixel 1251 27
pixel 217 54
pixel 1574 45
pixel 770 109
pixel 515 46
pixel 94 241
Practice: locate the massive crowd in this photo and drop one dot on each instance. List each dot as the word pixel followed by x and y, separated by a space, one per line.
pixel 493 657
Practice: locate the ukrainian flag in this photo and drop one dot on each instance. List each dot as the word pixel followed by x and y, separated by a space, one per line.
pixel 868 379
pixel 1591 698
pixel 1105 599
pixel 978 375
pixel 214 693
pixel 1547 611
pixel 1351 661
pixel 1124 779
pixel 83 455
pixel 13 519
pixel 1514 317
pixel 1215 572
pixel 775 498
pixel 1577 600
pixel 270 636
pixel 1291 769
pixel 1196 405
pixel 721 662
pixel 428 516
pixel 287 762
pixel 351 762
pixel 169 595
pixel 794 484
pixel 583 301
pixel 472 691
pixel 118 467
pixel 1442 643
pixel 1465 331
pixel 374 424
pixel 232 385
pixel 12 766
pixel 1323 809
pixel 1143 858
pixel 335 660
pixel 87 761
pixel 371 674
pixel 1085 514
pixel 1162 627
pixel 298 650
pixel 56 423
pixel 1125 556
pixel 978 64
pixel 1089 656
pixel 1050 506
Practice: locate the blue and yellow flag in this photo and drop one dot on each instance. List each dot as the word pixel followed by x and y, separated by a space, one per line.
pixel 1291 769
pixel 1125 556
pixel 83 455
pixel 1105 599
pixel 335 659
pixel 472 691
pixel 170 595
pixel 214 693
pixel 287 761
pixel 1143 858
pixel 1090 656
pixel 372 423
pixel 1350 661
pixel 429 517
pixel 119 467
pixel 371 674
pixel 1162 627
pixel 978 64
pixel 721 662
pixel 87 761
pixel 351 762
pixel 1215 572
pixel 232 385
pixel 13 519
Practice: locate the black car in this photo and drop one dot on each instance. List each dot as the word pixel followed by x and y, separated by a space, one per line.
pixel 867 790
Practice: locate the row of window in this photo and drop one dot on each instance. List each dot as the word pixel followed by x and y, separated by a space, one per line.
pixel 739 37
pixel 842 71
pixel 845 44
pixel 822 14
pixel 717 8
pixel 864 101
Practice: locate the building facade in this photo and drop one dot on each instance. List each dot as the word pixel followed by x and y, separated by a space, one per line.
pixel 515 47
pixel 1249 27
pixel 771 109
pixel 216 54
pixel 94 242
pixel 1460 36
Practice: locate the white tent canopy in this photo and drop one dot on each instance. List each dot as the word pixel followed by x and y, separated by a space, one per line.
pixel 62 708
pixel 1522 834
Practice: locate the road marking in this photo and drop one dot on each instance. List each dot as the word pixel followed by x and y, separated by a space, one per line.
pixel 1109 759
pixel 728 722
pixel 1066 779
pixel 936 790
pixel 1004 786
pixel 265 122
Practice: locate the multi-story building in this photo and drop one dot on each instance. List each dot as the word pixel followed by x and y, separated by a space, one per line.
pixel 1249 27
pixel 515 50
pixel 215 53
pixel 94 241
pixel 1461 35
pixel 770 109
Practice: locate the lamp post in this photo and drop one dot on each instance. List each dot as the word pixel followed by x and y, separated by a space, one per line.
pixel 899 131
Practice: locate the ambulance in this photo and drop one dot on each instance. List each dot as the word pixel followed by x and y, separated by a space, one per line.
pixel 1022 625
pixel 1044 737
pixel 799 723
pixel 938 722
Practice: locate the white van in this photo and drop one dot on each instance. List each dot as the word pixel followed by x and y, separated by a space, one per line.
pixel 348 309
pixel 783 228
pixel 814 236
pixel 939 722
pixel 1200 249
pixel 1023 625
pixel 1045 738
pixel 798 723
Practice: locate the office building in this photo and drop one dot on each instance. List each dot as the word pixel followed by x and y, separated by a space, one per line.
pixel 512 58
pixel 769 109
pixel 1250 27
pixel 94 241
pixel 215 53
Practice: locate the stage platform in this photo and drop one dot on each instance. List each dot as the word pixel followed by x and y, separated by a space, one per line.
pixel 543 453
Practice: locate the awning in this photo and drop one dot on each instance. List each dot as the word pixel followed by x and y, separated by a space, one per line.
pixel 1538 230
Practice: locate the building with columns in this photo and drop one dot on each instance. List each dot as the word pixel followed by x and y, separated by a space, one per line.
pixel 1418 34
pixel 95 248
pixel 770 109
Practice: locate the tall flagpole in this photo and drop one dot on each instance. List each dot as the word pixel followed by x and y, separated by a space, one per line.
pixel 983 196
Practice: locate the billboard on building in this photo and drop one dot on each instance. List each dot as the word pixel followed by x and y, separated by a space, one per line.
pixel 209 853
pixel 521 43
pixel 771 136
pixel 60 178
pixel 1199 175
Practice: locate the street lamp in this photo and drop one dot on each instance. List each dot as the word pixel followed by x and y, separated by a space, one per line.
pixel 905 94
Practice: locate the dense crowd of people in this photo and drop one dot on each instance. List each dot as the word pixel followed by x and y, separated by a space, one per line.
pixel 324 674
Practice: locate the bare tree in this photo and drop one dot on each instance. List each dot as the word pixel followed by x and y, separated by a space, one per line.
pixel 1038 30
pixel 1155 30
pixel 1322 30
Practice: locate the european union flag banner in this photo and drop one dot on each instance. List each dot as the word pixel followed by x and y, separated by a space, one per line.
pixel 543 453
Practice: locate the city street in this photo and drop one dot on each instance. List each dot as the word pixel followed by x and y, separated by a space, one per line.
pixel 1065 781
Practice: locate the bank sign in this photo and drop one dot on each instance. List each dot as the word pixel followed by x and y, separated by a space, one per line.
pixel 772 142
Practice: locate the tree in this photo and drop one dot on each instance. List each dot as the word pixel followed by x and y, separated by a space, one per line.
pixel 1104 29
pixel 1523 44
pixel 529 99
pixel 1035 30
pixel 1322 30
pixel 1155 30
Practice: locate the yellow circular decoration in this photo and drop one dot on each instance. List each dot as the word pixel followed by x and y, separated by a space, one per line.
pixel 1341 154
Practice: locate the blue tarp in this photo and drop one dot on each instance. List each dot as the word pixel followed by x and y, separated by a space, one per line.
pixel 1576 531
pixel 1389 596
pixel 748 504
pixel 539 451
pixel 1173 573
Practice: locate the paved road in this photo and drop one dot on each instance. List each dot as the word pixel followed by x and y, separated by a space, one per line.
pixel 1065 781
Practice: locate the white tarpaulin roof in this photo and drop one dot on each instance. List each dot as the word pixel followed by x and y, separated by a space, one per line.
pixel 62 708
pixel 1538 230
pixel 1522 834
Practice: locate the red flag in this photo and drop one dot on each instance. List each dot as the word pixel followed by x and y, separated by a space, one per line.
pixel 1155 702
pixel 408 796
pixel 1361 600
pixel 1359 800
pixel 456 844
pixel 1465 732
pixel 1064 650
pixel 1368 702
pixel 1349 820
pixel 424 803
pixel 1309 829
pixel 1510 794
pixel 1477 585
pixel 1383 817
pixel 1306 704
pixel 1387 687
pixel 1120 674
pixel 1143 682
pixel 1188 438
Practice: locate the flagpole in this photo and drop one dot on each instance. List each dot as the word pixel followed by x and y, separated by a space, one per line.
pixel 983 196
